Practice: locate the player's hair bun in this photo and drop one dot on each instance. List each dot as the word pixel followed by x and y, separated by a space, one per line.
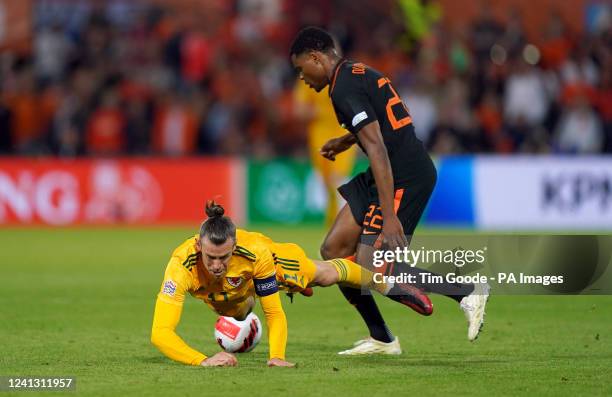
pixel 217 228
pixel 214 210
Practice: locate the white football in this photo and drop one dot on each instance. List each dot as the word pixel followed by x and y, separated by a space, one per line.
pixel 236 336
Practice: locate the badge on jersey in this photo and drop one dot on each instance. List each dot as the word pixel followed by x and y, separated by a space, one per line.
pixel 234 281
pixel 169 288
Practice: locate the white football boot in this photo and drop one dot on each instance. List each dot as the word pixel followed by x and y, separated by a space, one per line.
pixel 473 306
pixel 373 346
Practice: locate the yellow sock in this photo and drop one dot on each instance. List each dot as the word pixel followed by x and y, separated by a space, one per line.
pixel 355 276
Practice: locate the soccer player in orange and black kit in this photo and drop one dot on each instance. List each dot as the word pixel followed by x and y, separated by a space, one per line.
pixel 385 203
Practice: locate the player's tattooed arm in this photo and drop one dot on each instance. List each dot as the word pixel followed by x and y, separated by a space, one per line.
pixel 337 145
pixel 372 141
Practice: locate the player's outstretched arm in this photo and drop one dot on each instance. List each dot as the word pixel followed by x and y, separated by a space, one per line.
pixel 164 337
pixel 264 280
pixel 372 141
pixel 277 329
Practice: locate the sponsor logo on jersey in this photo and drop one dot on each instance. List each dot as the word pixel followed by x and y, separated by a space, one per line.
pixel 169 288
pixel 359 117
pixel 234 281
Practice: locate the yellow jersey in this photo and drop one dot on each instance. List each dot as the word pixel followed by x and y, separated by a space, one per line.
pixel 252 259
pixel 251 270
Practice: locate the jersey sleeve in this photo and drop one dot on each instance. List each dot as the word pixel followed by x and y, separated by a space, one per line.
pixel 277 324
pixel 177 282
pixel 264 279
pixel 352 103
pixel 165 338
pixel 168 309
pixel 264 273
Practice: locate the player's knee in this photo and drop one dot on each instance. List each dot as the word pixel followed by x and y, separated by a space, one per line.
pixel 325 251
pixel 330 251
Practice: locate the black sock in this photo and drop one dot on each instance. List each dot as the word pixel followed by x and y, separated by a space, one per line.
pixel 366 306
pixel 455 291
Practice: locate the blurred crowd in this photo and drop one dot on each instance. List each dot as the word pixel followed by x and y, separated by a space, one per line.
pixel 140 78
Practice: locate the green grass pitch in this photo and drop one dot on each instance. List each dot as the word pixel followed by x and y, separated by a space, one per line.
pixel 79 302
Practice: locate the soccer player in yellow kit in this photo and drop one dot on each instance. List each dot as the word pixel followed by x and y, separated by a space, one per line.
pixel 316 110
pixel 226 267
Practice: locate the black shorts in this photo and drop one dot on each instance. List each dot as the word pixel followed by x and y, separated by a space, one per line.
pixel 409 202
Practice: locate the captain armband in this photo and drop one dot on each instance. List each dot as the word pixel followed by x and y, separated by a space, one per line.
pixel 265 286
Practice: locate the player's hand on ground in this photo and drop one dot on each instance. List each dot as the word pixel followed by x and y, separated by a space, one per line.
pixel 277 362
pixel 393 233
pixel 221 359
pixel 333 147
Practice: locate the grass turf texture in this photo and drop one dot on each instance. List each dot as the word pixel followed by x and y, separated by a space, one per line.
pixel 79 302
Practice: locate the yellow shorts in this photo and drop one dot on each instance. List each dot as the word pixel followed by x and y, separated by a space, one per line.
pixel 237 309
pixel 294 271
